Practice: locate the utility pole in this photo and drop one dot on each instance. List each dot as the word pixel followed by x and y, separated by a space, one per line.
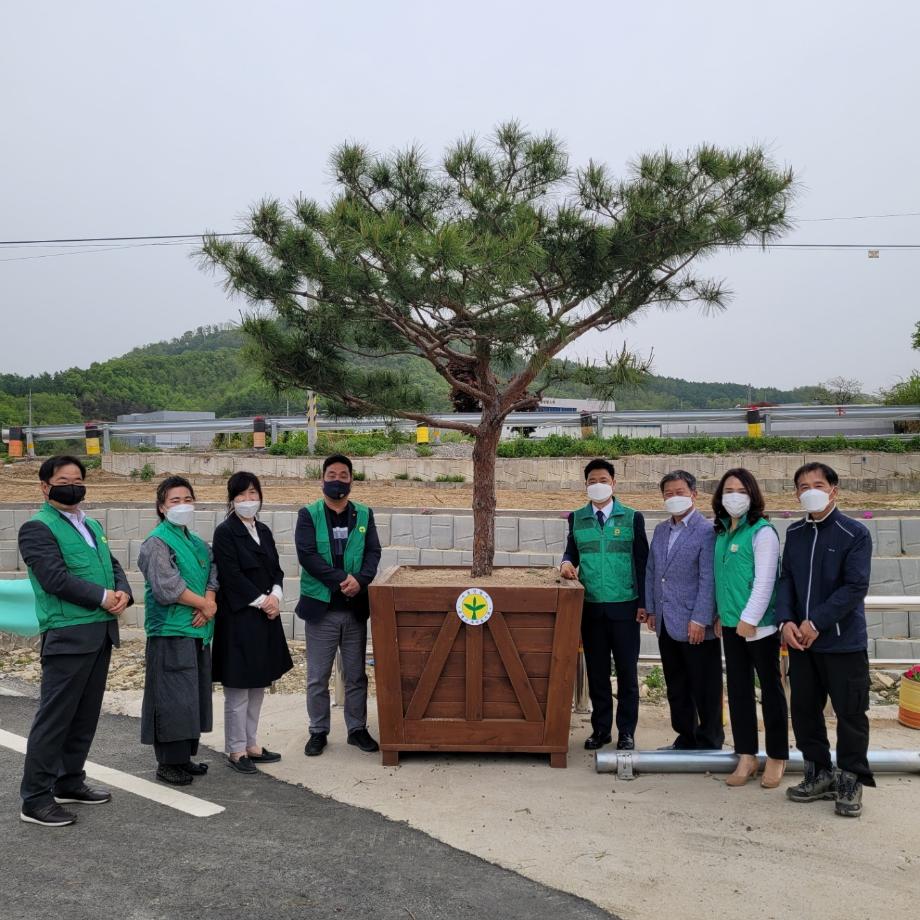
pixel 311 421
pixel 30 440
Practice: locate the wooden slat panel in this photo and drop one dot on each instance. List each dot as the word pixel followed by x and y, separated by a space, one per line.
pixel 474 681
pixel 562 672
pixel 470 748
pixel 457 710
pixel 526 639
pixel 501 732
pixel 507 600
pixel 423 618
pixel 524 600
pixel 494 690
pixel 505 643
pixel 536 664
pixel 433 667
pixel 422 597
pixel 422 638
pixel 386 665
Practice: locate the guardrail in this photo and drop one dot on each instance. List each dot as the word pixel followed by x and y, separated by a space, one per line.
pixel 626 418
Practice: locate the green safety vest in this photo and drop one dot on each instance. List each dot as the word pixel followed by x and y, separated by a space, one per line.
pixel 194 563
pixel 354 549
pixel 733 568
pixel 82 561
pixel 606 567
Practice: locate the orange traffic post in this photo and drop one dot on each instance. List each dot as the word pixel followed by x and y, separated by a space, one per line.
pixel 14 448
pixel 258 433
pixel 93 448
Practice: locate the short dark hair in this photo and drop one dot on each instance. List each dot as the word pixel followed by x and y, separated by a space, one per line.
pixel 338 458
pixel 171 482
pixel 755 512
pixel 239 482
pixel 53 464
pixel 815 467
pixel 599 463
pixel 675 475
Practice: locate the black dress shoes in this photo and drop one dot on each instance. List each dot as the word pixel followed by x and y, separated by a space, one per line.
pixel 174 775
pixel 51 815
pixel 626 742
pixel 597 741
pixel 266 756
pixel 194 769
pixel 362 740
pixel 243 765
pixel 83 795
pixel 314 747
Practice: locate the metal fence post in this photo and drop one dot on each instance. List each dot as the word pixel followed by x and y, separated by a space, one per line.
pixel 582 701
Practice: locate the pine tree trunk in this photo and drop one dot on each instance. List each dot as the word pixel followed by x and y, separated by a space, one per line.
pixel 484 450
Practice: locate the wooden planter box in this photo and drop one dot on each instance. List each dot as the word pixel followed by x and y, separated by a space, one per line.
pixel 503 685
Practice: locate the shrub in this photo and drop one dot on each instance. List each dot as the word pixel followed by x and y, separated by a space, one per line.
pixel 423 450
pixel 457 478
pixel 566 446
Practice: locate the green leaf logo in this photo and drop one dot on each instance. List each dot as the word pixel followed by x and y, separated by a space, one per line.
pixel 473 608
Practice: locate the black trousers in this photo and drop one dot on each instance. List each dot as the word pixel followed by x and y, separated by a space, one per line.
pixel 601 637
pixel 743 660
pixel 175 752
pixel 693 674
pixel 65 723
pixel 844 677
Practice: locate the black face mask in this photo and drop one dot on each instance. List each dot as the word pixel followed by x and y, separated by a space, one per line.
pixel 336 490
pixel 67 495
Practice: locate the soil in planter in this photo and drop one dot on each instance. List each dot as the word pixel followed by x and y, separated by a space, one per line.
pixel 506 576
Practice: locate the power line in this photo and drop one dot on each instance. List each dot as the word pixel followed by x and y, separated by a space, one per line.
pixel 120 239
pixel 860 217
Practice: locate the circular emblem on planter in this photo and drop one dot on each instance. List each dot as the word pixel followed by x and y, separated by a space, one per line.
pixel 474 606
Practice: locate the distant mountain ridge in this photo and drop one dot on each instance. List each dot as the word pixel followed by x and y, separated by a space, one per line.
pixel 206 369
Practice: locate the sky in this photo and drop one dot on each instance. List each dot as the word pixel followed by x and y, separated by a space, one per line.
pixel 124 119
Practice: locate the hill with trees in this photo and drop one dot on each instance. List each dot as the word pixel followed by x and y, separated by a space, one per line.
pixel 207 369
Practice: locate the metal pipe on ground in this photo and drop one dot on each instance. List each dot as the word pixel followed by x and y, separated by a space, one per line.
pixel 626 764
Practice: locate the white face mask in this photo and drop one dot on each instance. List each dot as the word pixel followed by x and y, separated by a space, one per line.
pixel 814 501
pixel 600 491
pixel 678 504
pixel 181 515
pixel 247 510
pixel 736 503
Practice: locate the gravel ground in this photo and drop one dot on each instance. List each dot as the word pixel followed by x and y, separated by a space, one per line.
pixel 19 483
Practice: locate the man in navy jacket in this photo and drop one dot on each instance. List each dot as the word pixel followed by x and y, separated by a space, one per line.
pixel 819 605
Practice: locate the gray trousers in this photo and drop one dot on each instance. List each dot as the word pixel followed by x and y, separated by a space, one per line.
pixel 241 718
pixel 65 724
pixel 338 629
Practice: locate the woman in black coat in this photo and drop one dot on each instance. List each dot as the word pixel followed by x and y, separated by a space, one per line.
pixel 250 650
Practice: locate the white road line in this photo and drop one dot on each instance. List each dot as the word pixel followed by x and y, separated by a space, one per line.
pixel 163 795
pixel 7 691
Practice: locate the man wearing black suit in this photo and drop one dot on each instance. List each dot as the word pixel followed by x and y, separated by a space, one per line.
pixel 80 591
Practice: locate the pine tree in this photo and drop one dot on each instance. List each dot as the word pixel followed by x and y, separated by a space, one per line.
pixel 488 265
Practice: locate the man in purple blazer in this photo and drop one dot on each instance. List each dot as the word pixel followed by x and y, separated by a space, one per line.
pixel 680 600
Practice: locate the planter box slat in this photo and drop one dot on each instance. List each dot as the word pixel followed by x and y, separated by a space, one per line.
pixel 488 732
pixel 508 600
pixel 502 685
pixel 536 664
pixel 494 690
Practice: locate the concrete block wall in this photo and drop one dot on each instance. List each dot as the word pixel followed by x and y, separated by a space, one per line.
pixel 881 472
pixel 446 539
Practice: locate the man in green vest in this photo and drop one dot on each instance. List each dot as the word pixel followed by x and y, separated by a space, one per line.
pixel 80 591
pixel 608 547
pixel 339 551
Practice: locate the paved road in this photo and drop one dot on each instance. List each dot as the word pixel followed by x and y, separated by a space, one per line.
pixel 278 851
